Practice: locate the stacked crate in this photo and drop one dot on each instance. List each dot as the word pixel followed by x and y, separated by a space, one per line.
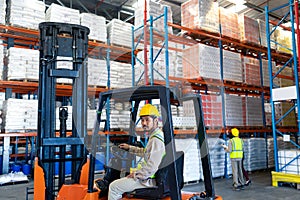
pixel 232 66
pixel 119 33
pixel 290 160
pixel 234 110
pixel 201 60
pixel 251 71
pixel 202 15
pixel 154 9
pixel 96 24
pixel 20 115
pixel 254 115
pixel 97 72
pixel 248 29
pixel 255 154
pixel 25 13
pixel 57 13
pixel 212 110
pixel 229 23
pixel 23 64
pixel 2 11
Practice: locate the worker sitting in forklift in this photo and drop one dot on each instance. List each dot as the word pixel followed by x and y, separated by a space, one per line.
pixel 152 154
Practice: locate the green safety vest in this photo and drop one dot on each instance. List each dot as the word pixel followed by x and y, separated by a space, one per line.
pixel 160 135
pixel 237 148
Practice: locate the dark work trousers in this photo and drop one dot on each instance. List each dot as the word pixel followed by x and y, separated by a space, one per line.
pixel 245 173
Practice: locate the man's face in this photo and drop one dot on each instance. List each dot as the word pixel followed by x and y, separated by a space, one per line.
pixel 148 123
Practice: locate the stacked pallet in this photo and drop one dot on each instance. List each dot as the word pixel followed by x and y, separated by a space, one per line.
pixel 229 23
pixel 255 154
pixel 201 60
pixel 202 15
pixel 289 161
pixel 263 35
pixel 232 66
pixel 254 115
pixel 96 24
pixel 2 11
pixel 97 72
pixel 2 55
pixel 20 115
pixel 251 71
pixel 287 80
pixel 248 29
pixel 57 13
pixel 217 156
pixel 281 108
pixel 284 40
pixel 234 110
pixel 154 9
pixel 26 13
pixel 23 64
pixel 119 33
pixel 212 110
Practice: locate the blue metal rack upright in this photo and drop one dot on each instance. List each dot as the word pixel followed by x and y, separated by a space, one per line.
pixel 275 89
pixel 152 57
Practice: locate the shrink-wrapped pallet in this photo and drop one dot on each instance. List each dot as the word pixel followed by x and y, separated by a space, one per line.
pixel 57 13
pixel 2 55
pixel 287 76
pixel 254 115
pixel 26 13
pixel 232 66
pixel 154 9
pixel 119 33
pixel 255 154
pixel 2 11
pixel 201 60
pixel 234 110
pixel 251 71
pixel 96 24
pixel 20 115
pixel 289 161
pixel 196 14
pixel 229 23
pixel 284 40
pixel 159 65
pixel 281 109
pixel 23 64
pixel 248 29
pixel 212 110
pixel 263 35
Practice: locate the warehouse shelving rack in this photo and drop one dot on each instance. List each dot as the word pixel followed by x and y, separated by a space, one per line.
pixel 281 94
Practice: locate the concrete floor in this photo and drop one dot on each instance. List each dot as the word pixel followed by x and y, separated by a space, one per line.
pixel 259 189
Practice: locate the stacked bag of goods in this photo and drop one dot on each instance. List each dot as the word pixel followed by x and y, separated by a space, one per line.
pixel 254 115
pixel 120 75
pixel 232 66
pixel 97 72
pixel 25 13
pixel 255 154
pixel 20 115
pixel 119 33
pixel 91 118
pixel 96 24
pixel 23 64
pixel 155 10
pixel 119 115
pixel 201 15
pixel 64 63
pixel 201 60
pixel 2 55
pixel 234 110
pixel 2 11
pixel 57 13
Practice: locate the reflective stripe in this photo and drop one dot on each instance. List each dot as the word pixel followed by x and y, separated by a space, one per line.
pixel 237 148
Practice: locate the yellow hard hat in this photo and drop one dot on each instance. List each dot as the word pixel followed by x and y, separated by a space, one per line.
pixel 235 132
pixel 149 109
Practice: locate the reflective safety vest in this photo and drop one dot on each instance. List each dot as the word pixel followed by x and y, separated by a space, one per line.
pixel 160 135
pixel 237 148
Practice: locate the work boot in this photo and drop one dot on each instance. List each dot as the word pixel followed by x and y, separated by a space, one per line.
pixel 248 182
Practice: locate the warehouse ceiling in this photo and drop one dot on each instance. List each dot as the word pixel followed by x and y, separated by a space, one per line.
pixel 124 9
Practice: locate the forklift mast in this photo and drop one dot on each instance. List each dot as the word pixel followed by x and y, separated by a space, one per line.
pixel 68 43
pixel 135 96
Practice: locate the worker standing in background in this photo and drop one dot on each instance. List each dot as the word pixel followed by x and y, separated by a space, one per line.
pixel 153 153
pixel 235 148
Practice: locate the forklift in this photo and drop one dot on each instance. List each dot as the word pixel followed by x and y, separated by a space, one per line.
pixel 68 40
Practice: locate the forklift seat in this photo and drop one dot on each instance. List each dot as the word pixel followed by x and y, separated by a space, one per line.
pixel 162 185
